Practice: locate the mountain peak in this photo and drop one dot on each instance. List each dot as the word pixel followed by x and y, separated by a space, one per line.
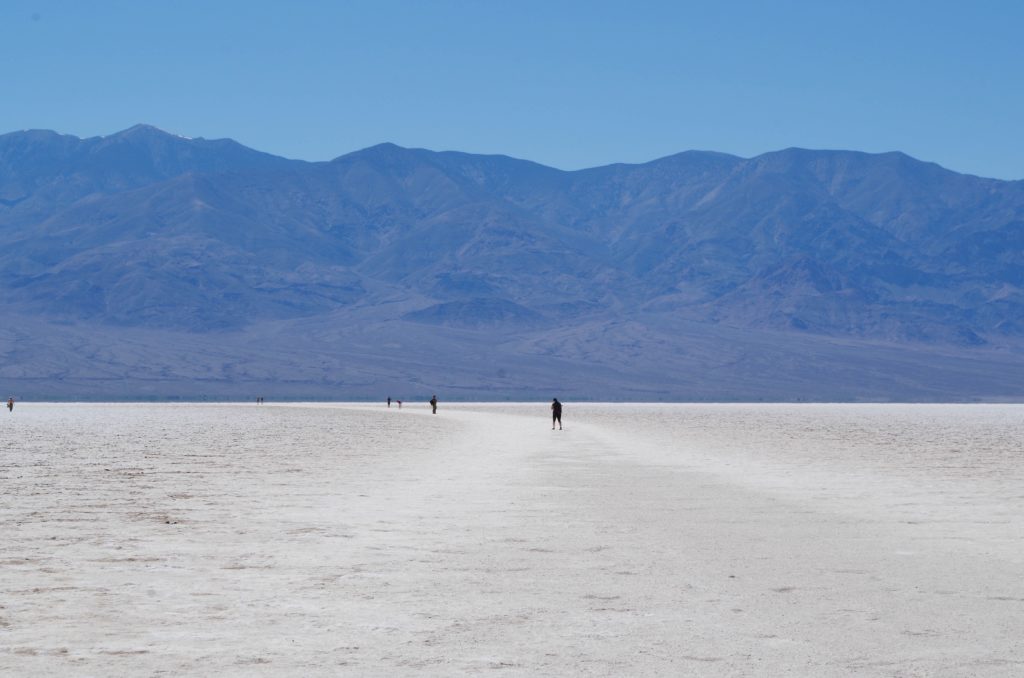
pixel 377 151
pixel 36 134
pixel 141 128
pixel 146 132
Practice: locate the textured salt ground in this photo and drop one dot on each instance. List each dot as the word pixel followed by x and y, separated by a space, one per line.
pixel 325 540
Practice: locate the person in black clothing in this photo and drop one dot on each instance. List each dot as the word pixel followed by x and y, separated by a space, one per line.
pixel 556 414
pixel 10 404
pixel 433 404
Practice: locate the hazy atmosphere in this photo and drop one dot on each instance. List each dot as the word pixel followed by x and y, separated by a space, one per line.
pixel 567 84
pixel 512 338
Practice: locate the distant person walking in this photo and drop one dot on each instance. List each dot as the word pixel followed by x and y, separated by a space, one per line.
pixel 10 404
pixel 433 404
pixel 389 401
pixel 556 414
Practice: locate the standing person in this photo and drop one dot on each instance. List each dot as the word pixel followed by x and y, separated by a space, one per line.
pixel 10 404
pixel 433 404
pixel 556 414
pixel 389 401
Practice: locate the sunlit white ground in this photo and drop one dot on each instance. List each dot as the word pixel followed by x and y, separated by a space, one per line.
pixel 643 540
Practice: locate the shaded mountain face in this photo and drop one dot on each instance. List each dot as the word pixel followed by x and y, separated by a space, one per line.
pixel 147 230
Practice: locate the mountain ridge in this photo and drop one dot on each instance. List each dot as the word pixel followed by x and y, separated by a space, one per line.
pixel 148 230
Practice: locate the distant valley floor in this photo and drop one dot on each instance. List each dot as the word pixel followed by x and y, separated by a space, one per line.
pixel 325 359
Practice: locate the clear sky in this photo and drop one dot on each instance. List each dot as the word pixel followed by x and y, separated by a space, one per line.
pixel 568 84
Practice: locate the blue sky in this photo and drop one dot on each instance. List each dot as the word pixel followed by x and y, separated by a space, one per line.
pixel 568 84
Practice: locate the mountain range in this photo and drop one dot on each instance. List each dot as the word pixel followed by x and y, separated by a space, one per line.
pixel 148 265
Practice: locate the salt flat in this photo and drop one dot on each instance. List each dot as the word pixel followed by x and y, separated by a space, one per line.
pixel 643 540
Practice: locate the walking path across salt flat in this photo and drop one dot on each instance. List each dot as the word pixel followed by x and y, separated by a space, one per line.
pixel 325 540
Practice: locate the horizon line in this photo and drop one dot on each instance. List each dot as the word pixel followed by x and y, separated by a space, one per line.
pixel 147 126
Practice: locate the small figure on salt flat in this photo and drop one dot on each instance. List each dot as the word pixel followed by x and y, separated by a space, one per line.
pixel 10 404
pixel 556 414
pixel 433 404
pixel 389 401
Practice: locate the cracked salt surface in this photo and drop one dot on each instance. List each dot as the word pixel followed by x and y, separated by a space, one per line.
pixel 644 540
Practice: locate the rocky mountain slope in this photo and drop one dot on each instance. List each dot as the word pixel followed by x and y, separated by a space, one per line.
pixel 795 274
